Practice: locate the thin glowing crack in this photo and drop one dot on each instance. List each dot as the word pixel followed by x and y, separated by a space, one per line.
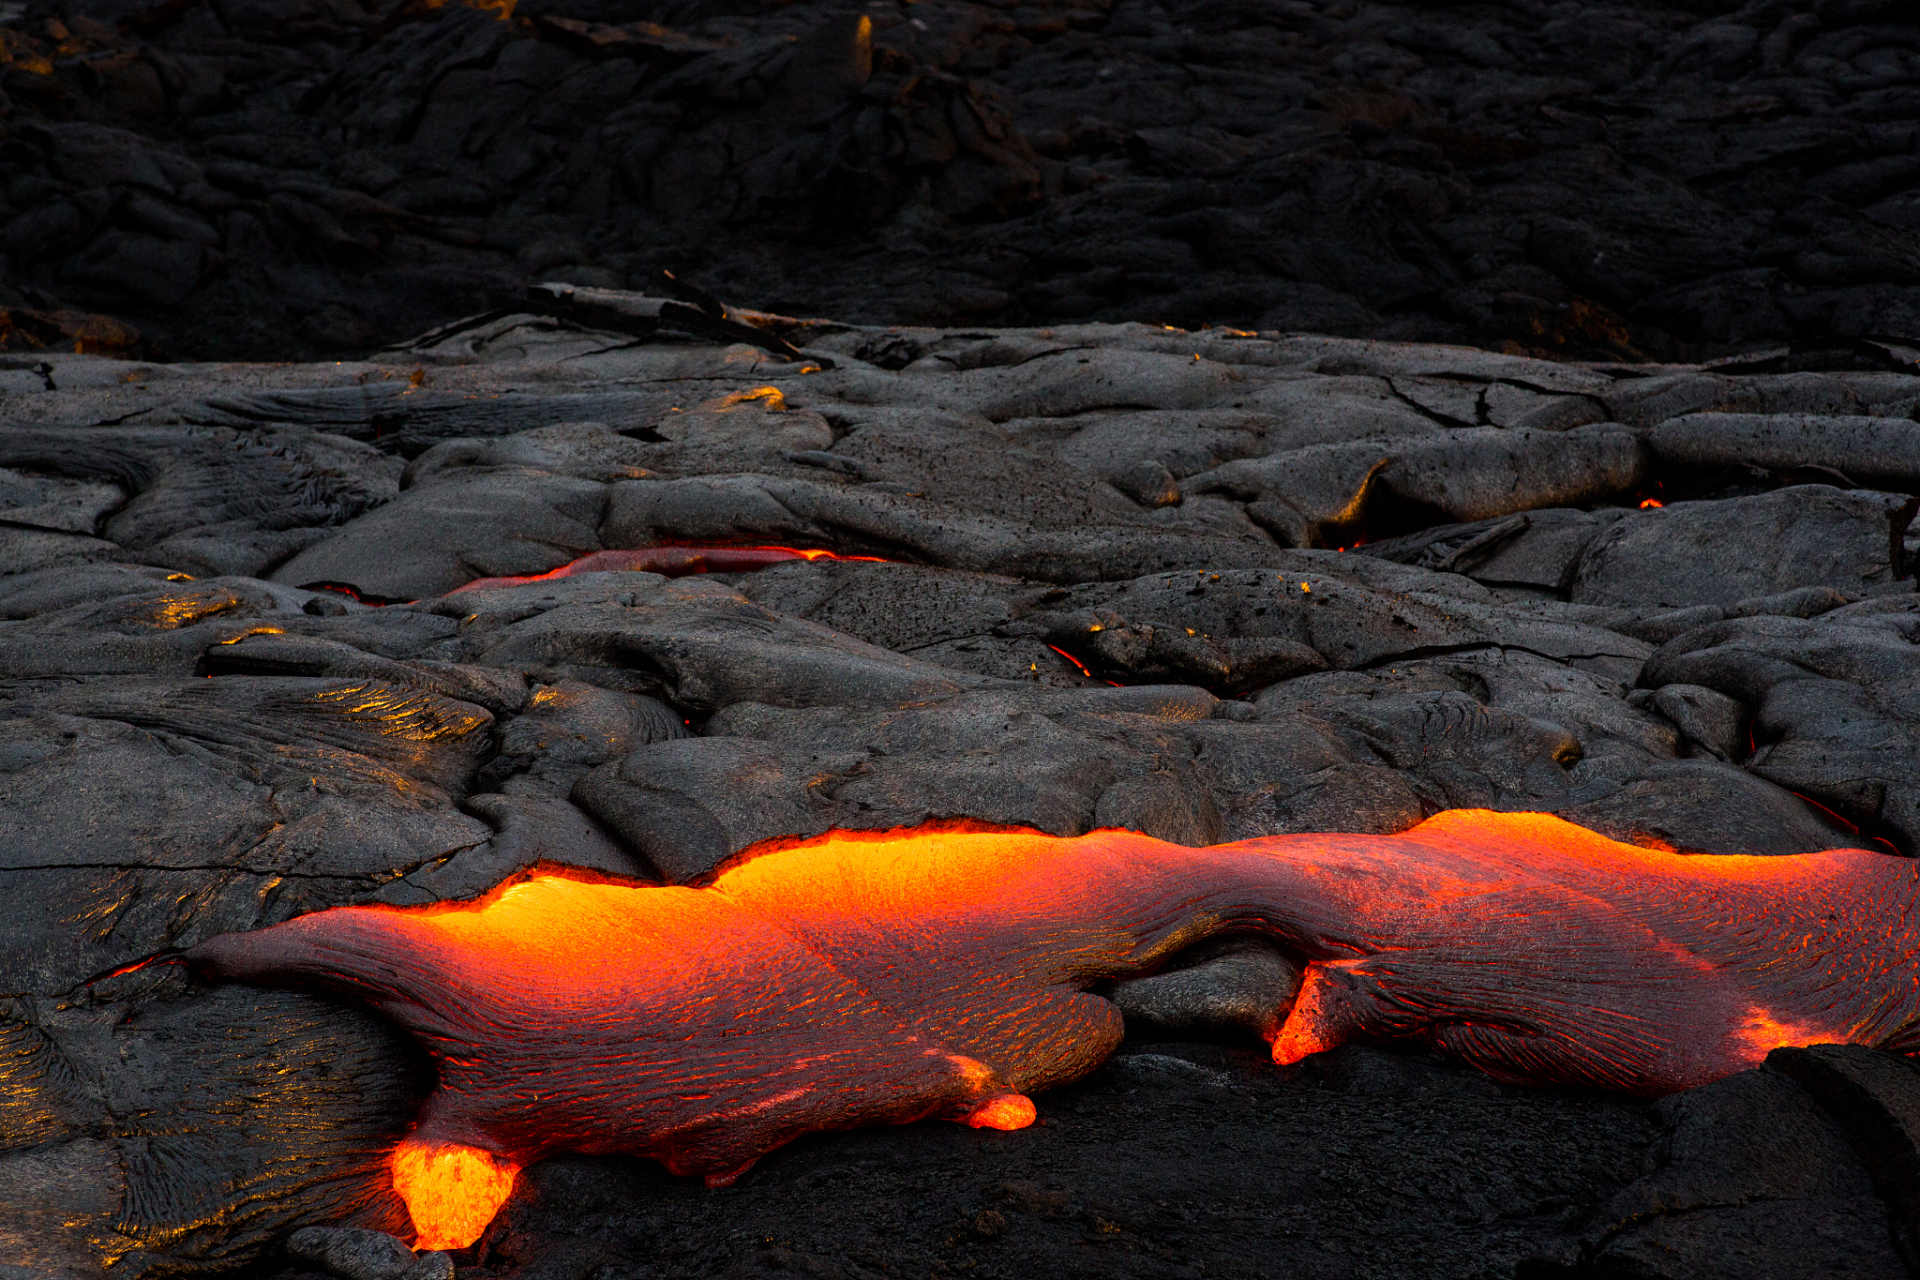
pixel 673 562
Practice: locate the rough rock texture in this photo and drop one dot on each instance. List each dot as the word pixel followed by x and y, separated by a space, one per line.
pixel 1103 586
pixel 1600 178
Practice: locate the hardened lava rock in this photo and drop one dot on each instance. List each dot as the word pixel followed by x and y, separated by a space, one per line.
pixel 1602 179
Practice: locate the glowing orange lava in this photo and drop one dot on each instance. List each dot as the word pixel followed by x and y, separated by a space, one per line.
pixel 1008 1111
pixel 451 1192
pixel 876 977
pixel 1081 666
pixel 674 562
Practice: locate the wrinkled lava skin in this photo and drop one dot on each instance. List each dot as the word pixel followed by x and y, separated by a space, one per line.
pixel 860 978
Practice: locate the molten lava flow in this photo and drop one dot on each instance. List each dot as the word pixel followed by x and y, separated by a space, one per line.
pixel 674 562
pixel 451 1192
pixel 1007 1111
pixel 861 978
pixel 1079 665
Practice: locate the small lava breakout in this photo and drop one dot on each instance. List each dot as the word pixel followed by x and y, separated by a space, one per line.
pixel 944 972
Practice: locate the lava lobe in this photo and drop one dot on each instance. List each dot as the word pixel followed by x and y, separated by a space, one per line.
pixel 860 978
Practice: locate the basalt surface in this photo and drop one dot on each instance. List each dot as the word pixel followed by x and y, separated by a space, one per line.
pixel 1077 577
pixel 1596 178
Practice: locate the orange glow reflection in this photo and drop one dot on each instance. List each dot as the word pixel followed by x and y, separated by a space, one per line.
pixel 673 562
pixel 862 978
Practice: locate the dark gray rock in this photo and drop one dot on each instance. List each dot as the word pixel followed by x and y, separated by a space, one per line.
pixel 1322 495
pixel 1533 548
pixel 1832 704
pixel 1706 553
pixel 949 617
pixel 1710 721
pixel 696 644
pixel 55 502
pixel 1224 989
pixel 967 461
pixel 584 450
pixel 1695 807
pixel 172 810
pixel 161 628
pixel 533 829
pixel 568 728
pixel 1752 1176
pixel 275 652
pixel 409 420
pixel 1875 1097
pixel 876 521
pixel 1619 774
pixel 32 593
pixel 529 832
pixel 1061 761
pixel 1881 451
pixel 1233 629
pixel 1801 602
pixel 1067 761
pixel 689 805
pixel 209 500
pixel 351 1253
pixel 441 536
pixel 1150 484
pixel 132 1133
pixel 33 550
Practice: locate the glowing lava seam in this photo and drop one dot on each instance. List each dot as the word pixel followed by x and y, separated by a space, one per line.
pixel 674 562
pixel 864 978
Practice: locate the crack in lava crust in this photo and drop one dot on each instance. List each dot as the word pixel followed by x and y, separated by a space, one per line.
pixel 672 562
pixel 875 977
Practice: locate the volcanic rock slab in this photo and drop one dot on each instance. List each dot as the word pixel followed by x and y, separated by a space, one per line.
pixel 1081 578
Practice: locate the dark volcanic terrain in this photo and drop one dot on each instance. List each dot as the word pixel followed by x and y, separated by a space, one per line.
pixel 1126 547
pixel 1201 584
pixel 1619 179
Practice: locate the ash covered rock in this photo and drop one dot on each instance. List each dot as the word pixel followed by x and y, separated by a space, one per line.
pixel 1106 590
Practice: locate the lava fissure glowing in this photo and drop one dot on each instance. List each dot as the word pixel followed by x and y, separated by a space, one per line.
pixel 672 562
pixel 862 978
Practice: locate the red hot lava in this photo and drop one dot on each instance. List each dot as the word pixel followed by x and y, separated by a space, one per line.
pixel 862 978
pixel 674 562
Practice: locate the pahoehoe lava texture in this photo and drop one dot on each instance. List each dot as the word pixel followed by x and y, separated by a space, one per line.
pixel 893 977
pixel 1084 576
pixel 1602 178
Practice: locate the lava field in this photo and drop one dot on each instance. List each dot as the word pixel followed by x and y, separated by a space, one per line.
pixel 1286 646
pixel 586 589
